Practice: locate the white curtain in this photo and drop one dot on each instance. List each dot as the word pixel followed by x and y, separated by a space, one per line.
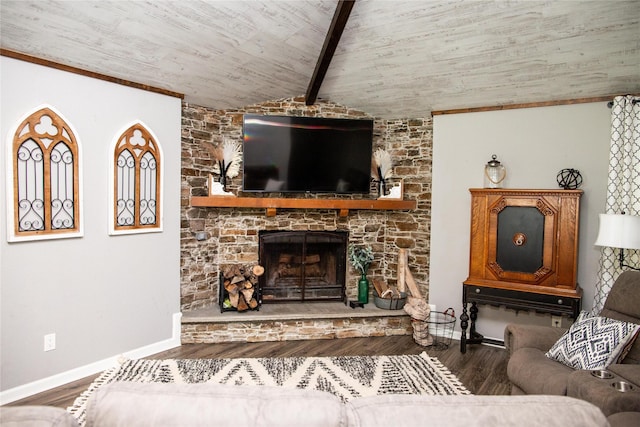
pixel 623 187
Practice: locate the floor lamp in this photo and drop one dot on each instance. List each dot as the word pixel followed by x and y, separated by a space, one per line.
pixel 619 231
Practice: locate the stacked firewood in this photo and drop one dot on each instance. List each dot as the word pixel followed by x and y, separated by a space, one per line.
pixel 385 291
pixel 405 280
pixel 241 285
pixel 290 265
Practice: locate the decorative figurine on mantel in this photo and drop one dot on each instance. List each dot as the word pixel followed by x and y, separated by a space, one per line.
pixel 227 158
pixel 382 170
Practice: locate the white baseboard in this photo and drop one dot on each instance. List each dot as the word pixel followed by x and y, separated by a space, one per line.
pixel 26 390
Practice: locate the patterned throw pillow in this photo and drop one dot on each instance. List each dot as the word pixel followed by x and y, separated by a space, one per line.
pixel 593 342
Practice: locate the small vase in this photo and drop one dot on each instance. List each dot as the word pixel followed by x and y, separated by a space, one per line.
pixel 363 289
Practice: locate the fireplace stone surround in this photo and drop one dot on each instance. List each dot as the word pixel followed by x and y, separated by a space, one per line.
pixel 232 234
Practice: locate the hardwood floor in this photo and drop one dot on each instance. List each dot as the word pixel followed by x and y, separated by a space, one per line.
pixel 482 369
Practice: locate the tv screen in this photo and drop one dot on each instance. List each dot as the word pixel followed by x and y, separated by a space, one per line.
pixel 306 154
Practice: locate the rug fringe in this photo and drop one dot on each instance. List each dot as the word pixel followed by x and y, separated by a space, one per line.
pixel 453 379
pixel 79 404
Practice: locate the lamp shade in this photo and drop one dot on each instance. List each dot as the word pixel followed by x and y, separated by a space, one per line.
pixel 619 231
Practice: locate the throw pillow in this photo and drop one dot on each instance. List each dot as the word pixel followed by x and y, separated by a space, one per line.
pixel 593 342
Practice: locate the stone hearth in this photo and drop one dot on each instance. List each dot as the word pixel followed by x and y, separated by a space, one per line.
pixel 283 322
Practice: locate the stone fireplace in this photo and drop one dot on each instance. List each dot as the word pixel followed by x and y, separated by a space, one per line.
pixel 231 235
pixel 302 266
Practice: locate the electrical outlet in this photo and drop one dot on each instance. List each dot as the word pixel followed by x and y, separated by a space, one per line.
pixel 49 342
pixel 556 321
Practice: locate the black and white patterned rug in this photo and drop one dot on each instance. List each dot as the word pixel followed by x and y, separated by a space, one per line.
pixel 344 376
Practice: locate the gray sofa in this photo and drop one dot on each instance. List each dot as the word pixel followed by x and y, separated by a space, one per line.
pixel 212 405
pixel 531 372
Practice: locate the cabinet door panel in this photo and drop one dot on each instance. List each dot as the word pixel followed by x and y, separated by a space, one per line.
pixel 520 239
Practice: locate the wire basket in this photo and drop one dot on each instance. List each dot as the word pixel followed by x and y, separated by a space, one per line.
pixel 435 332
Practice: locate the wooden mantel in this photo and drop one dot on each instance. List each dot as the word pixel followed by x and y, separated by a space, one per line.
pixel 273 204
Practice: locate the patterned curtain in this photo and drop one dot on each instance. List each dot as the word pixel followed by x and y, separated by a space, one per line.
pixel 623 188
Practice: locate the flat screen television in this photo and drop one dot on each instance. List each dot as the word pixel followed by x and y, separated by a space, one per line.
pixel 306 154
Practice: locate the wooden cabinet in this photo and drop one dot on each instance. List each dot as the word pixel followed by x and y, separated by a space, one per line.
pixel 525 240
pixel 523 252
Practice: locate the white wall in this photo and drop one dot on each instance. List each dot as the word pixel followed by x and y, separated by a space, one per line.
pixel 534 144
pixel 101 295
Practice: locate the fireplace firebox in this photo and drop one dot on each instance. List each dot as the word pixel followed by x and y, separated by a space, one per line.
pixel 302 266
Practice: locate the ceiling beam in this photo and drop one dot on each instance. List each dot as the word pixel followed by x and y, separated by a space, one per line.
pixel 338 23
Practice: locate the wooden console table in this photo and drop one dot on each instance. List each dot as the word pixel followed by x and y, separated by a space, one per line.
pixel 556 305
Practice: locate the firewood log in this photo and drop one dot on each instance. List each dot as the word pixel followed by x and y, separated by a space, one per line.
pixel 253 303
pixel 379 286
pixel 227 272
pixel 313 270
pixel 237 271
pixel 411 284
pixel 309 259
pixel 258 270
pixel 232 288
pixel 247 294
pixel 242 304
pixel 284 271
pixel 247 284
pixel 237 279
pixel 234 299
pixel 246 271
pixel 312 259
pixel 402 265
pixel 285 258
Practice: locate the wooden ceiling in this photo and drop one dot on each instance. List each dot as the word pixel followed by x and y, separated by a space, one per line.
pixel 394 58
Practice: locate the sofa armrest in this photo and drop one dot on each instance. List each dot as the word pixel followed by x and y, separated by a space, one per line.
pixel 582 385
pixel 630 372
pixel 518 336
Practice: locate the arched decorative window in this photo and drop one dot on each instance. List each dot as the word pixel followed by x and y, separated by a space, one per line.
pixel 136 182
pixel 45 165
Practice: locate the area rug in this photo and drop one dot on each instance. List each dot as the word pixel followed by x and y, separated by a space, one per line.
pixel 347 377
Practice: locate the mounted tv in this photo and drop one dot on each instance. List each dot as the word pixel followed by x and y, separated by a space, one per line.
pixel 306 154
